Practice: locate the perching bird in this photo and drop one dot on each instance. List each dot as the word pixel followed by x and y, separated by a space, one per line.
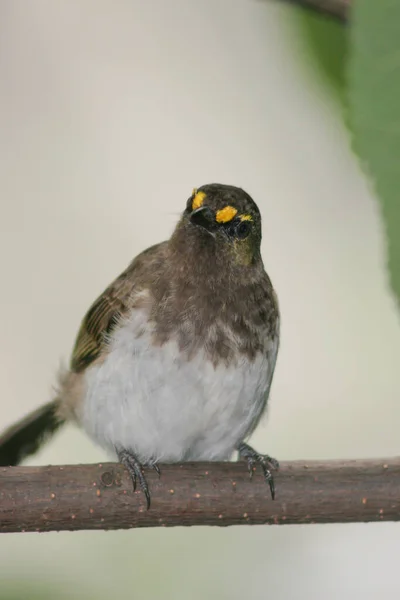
pixel 174 361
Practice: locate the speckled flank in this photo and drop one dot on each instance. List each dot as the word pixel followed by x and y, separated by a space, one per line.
pixel 152 401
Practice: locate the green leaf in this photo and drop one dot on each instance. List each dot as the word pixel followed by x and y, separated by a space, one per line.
pixel 374 109
pixel 324 47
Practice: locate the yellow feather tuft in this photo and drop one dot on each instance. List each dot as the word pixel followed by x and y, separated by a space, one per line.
pixel 198 199
pixel 226 214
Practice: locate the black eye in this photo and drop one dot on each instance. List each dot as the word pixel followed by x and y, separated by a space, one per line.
pixel 243 230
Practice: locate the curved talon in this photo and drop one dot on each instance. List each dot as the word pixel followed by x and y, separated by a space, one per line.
pixel 145 488
pixel 157 469
pixel 134 468
pixel 264 460
pixel 269 479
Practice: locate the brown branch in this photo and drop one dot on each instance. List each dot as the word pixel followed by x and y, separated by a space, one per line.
pixel 100 496
pixel 338 9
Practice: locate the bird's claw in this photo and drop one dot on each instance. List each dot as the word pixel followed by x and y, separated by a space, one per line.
pixel 134 469
pixel 266 462
pixel 156 468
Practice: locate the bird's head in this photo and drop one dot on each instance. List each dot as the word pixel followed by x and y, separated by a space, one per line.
pixel 224 222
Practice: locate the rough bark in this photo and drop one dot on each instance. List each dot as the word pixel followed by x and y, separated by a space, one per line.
pixel 97 496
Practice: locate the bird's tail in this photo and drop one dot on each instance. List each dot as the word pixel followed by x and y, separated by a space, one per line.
pixel 25 437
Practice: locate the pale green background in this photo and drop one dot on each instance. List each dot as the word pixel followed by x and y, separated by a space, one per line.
pixel 111 112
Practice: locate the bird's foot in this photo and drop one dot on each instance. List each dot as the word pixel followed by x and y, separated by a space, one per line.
pixel 266 462
pixel 135 470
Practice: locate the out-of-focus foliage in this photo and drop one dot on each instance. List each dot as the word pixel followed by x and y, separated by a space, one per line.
pixel 24 590
pixel 326 44
pixel 360 62
pixel 374 109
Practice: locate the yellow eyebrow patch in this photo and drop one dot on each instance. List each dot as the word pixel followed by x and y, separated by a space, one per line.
pixel 245 217
pixel 226 214
pixel 198 199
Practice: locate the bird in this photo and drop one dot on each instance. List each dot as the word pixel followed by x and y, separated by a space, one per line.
pixel 174 361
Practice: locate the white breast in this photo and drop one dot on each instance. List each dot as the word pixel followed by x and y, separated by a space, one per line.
pixel 152 401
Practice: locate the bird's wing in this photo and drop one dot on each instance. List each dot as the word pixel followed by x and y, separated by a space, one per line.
pixel 105 313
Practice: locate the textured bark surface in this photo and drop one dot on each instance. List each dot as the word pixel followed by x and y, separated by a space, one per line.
pixel 97 496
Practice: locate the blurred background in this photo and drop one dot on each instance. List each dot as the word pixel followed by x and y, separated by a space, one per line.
pixel 110 113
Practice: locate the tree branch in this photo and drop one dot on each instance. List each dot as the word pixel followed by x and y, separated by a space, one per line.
pixel 338 9
pixel 76 497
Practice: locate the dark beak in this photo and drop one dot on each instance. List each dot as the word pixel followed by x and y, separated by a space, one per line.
pixel 204 217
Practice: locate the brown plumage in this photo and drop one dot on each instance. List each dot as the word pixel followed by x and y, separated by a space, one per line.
pixel 206 290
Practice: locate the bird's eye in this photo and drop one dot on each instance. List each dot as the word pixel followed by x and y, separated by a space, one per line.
pixel 243 230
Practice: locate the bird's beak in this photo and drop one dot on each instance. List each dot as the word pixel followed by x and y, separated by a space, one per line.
pixel 205 218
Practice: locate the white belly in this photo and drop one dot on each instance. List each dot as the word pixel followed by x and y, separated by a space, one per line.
pixel 152 401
